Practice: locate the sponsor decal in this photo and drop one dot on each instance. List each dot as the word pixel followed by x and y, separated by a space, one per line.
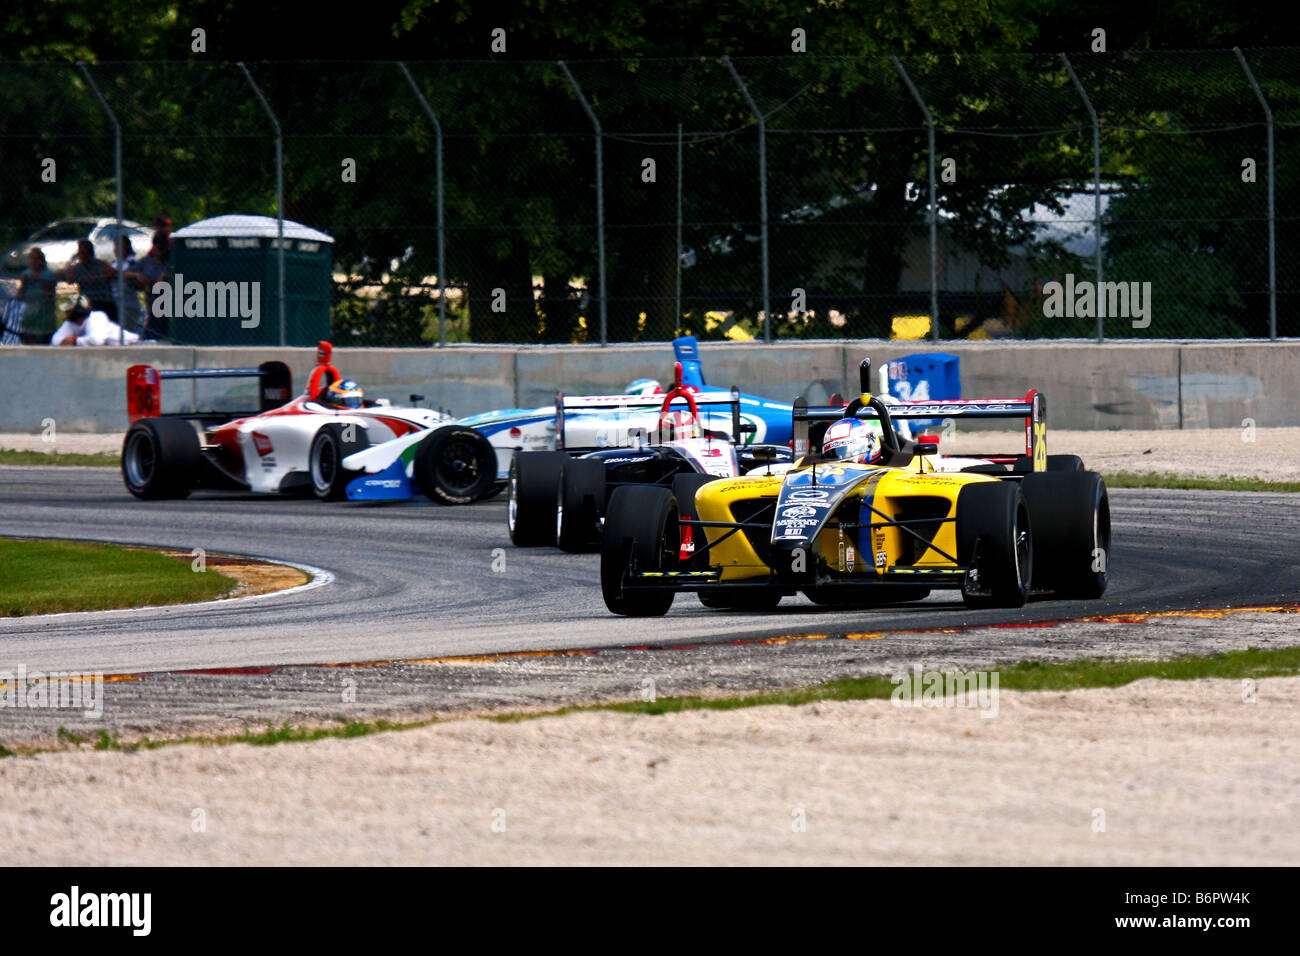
pixel 848 558
pixel 882 558
pixel 262 444
pixel 799 511
pixel 808 494
pixel 384 482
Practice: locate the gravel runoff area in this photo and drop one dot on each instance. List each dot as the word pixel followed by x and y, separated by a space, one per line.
pixel 1152 773
pixel 1271 454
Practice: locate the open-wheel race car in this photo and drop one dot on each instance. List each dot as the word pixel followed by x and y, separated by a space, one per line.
pixel 559 497
pixel 865 518
pixel 329 441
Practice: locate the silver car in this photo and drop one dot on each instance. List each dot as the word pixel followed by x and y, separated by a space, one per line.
pixel 58 240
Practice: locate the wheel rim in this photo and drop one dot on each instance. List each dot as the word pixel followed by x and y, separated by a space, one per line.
pixel 141 460
pixel 512 504
pixel 324 465
pixel 457 466
pixel 559 520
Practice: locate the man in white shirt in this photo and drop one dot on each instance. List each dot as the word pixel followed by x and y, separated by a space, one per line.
pixel 85 326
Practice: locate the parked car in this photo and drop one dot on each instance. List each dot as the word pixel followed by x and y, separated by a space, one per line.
pixel 58 240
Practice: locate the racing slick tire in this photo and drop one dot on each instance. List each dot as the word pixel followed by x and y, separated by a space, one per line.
pixel 1070 515
pixel 333 443
pixel 455 465
pixel 161 458
pixel 641 527
pixel 1068 463
pixel 580 499
pixel 994 539
pixel 530 507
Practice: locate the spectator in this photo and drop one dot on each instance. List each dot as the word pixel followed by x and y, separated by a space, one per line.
pixel 149 271
pixel 84 325
pixel 93 278
pixel 163 224
pixel 128 310
pixel 36 292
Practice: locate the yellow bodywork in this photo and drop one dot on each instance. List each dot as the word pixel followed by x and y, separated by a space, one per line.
pixel 888 491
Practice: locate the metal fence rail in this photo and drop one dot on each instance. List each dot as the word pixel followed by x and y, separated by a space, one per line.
pixel 1121 195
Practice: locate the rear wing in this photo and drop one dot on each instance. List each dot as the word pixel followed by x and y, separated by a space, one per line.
pixel 144 389
pixel 1032 410
pixel 616 403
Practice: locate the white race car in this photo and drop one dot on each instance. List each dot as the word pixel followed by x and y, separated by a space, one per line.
pixel 328 441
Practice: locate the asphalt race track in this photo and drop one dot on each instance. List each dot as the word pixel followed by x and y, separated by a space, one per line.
pixel 415 580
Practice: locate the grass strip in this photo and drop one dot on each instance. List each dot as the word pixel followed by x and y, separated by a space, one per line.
pixel 1130 479
pixel 45 577
pixel 1254 663
pixel 12 456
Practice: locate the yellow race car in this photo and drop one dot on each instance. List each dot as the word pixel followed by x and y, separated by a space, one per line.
pixel 866 517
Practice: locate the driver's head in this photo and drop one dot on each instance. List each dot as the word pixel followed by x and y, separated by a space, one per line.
pixel 344 394
pixel 851 439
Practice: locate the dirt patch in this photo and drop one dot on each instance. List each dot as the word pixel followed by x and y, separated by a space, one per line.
pixel 1157 772
pixel 254 577
pixel 1271 454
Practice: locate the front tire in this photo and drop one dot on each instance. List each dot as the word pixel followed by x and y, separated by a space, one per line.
pixel 530 507
pixel 333 443
pixel 641 530
pixel 161 458
pixel 994 540
pixel 455 465
pixel 1070 514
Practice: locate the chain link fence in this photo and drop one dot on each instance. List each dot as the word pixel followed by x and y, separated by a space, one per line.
pixel 1121 195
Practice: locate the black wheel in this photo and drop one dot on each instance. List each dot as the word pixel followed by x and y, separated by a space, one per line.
pixel 530 509
pixel 333 443
pixel 993 538
pixel 1054 463
pixel 580 500
pixel 161 458
pixel 745 599
pixel 684 487
pixel 640 529
pixel 455 465
pixel 1070 515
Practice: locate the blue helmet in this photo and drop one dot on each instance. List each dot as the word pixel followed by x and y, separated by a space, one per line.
pixel 345 394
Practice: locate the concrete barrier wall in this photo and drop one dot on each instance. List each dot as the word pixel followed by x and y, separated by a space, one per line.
pixel 1090 386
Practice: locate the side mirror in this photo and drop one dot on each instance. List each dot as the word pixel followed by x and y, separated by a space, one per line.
pixel 763 453
pixel 927 448
pixel 416 398
pixel 748 428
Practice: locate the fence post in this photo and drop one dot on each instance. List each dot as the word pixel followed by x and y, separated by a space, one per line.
pixel 1096 183
pixel 933 214
pixel 279 188
pixel 117 176
pixel 762 198
pixel 677 323
pixel 1272 217
pixel 442 263
pixel 600 197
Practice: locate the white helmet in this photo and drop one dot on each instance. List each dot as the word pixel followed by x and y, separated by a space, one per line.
pixel 851 439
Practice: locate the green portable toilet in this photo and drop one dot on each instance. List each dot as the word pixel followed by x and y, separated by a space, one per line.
pixel 209 255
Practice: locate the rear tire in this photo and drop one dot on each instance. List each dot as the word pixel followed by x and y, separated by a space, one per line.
pixel 640 527
pixel 530 507
pixel 329 479
pixel 161 458
pixel 456 465
pixel 993 531
pixel 1067 463
pixel 1070 515
pixel 580 502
